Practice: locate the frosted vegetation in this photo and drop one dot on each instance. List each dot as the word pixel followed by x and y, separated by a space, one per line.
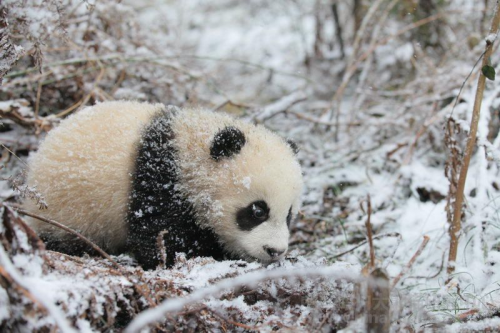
pixel 369 90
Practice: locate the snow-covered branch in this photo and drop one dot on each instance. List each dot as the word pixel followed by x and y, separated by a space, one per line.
pixel 281 105
pixel 9 53
pixel 151 316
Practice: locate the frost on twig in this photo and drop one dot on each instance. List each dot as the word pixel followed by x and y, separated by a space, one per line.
pixel 9 53
pixel 20 112
pixel 24 191
pixel 281 105
pixel 28 192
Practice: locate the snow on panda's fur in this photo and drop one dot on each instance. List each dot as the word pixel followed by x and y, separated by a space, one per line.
pixel 122 172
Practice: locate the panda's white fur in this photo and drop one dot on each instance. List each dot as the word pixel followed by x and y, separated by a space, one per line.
pixel 84 168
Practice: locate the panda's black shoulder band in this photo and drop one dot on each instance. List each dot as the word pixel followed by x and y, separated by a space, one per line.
pixel 227 143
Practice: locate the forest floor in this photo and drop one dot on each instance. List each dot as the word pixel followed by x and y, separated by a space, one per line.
pixel 377 126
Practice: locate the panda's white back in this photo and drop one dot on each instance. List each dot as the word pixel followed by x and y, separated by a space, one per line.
pixel 82 168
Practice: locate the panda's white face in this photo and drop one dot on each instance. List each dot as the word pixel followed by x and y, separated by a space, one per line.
pixel 258 198
pixel 255 218
pixel 244 181
pixel 262 233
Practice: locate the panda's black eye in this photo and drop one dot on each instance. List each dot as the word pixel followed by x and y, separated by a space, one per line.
pixel 258 212
pixel 252 215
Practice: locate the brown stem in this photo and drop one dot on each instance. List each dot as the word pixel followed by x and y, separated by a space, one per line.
pixel 10 282
pixel 358 15
pixel 391 234
pixel 338 29
pixel 471 141
pixel 483 18
pixel 378 302
pixel 71 231
pixel 232 322
pixel 318 40
pixel 353 66
pixel 370 234
pixel 411 262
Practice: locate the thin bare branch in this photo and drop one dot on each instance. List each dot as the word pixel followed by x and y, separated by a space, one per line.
pixel 411 262
pixel 368 226
pixel 455 227
pixel 391 234
pixel 94 246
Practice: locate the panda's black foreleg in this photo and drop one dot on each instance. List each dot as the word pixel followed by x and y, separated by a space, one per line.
pixel 181 234
pixel 157 203
pixel 142 241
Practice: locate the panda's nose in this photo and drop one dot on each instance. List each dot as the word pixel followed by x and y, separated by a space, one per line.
pixel 273 253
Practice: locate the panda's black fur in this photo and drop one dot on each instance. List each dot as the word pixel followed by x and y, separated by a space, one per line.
pixel 156 204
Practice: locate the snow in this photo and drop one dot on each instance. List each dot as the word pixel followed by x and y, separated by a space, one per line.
pixel 41 294
pixel 247 182
pixel 148 317
pixel 260 58
pixel 490 39
pixel 281 105
pixel 5 308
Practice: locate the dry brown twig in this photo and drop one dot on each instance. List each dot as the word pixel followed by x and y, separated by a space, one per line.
pixel 231 103
pixel 16 237
pixel 377 316
pixel 7 49
pixel 37 101
pixel 282 105
pixel 369 232
pixel 378 305
pixel 352 60
pixel 353 67
pixel 435 274
pixel 411 262
pixel 390 234
pixel 86 98
pixel 95 247
pixel 232 322
pixel 319 121
pixel 8 280
pixel 359 98
pixel 141 289
pixel 14 110
pixel 455 227
pixel 423 129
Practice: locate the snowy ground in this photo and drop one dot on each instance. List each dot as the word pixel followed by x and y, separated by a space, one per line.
pixel 385 139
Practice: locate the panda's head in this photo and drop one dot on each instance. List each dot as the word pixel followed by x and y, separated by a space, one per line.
pixel 258 184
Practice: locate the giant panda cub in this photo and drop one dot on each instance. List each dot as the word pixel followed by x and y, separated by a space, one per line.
pixel 129 175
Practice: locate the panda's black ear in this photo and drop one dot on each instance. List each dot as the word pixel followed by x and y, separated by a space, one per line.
pixel 293 145
pixel 227 142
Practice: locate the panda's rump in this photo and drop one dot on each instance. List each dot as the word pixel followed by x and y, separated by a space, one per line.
pixel 83 170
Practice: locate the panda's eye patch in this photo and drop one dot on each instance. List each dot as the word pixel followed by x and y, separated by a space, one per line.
pixel 251 216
